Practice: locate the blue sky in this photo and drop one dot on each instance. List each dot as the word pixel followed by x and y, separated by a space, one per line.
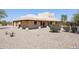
pixel 15 13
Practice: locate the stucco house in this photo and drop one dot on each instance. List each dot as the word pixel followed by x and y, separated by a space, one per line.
pixel 35 21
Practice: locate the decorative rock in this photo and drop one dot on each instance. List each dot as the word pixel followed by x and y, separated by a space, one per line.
pixel 12 34
pixel 27 28
pixel 6 32
pixel 62 29
pixel 47 27
pixel 39 27
pixel 20 27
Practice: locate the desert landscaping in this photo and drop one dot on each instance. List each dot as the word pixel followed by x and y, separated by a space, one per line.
pixel 37 39
pixel 45 29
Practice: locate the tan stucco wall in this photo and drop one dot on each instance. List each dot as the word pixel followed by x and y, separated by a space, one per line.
pixel 16 23
pixel 24 23
pixel 29 24
pixel 32 25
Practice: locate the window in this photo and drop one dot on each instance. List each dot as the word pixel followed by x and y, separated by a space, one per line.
pixel 35 22
pixel 51 23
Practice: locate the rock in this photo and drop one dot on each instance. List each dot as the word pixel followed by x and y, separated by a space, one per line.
pixel 6 32
pixel 39 27
pixel 12 34
pixel 27 28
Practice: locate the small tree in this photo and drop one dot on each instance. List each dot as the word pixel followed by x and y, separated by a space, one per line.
pixel 63 19
pixel 2 14
pixel 76 18
pixel 4 22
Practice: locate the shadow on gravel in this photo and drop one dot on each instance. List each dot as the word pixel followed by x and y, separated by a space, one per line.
pixel 54 32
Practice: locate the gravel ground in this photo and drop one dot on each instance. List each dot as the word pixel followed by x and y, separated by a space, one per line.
pixel 38 39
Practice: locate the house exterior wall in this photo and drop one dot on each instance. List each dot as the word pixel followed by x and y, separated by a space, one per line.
pixel 16 23
pixel 57 23
pixel 24 23
pixel 30 24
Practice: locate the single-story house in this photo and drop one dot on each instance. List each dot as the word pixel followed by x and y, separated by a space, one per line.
pixel 35 21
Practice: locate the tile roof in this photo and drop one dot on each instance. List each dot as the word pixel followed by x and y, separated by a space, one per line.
pixel 46 16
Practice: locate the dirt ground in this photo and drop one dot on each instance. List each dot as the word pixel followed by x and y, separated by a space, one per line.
pixel 37 39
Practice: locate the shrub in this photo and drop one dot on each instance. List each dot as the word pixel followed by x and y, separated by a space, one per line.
pixel 3 22
pixel 12 34
pixel 54 28
pixel 74 29
pixel 67 29
pixel 23 27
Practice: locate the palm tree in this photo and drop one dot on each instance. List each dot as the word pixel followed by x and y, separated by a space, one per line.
pixel 2 14
pixel 63 19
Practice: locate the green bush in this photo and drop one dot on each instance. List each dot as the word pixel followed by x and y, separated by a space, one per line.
pixel 67 29
pixel 54 28
pixel 3 22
